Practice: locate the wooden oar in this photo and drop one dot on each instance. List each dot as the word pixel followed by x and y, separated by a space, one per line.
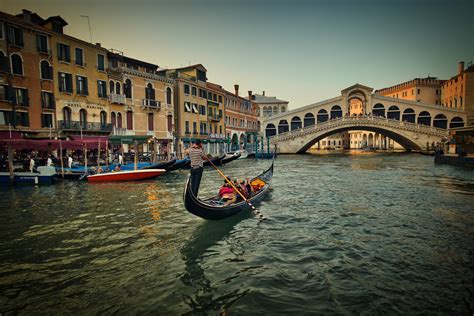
pixel 254 209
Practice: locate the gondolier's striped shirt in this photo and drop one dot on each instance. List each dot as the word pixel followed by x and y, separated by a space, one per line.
pixel 195 154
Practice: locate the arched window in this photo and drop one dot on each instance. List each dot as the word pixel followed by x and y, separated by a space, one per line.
pixel 168 96
pixel 336 112
pixel 150 122
pixel 66 114
pixel 295 123
pixel 424 118
pixel 270 130
pixel 149 92
pixel 111 87
pixel 83 118
pixel 283 126
pixel 378 110
pixel 17 64
pixel 117 87
pixel 46 70
pixel 113 119
pixel 408 115
pixel 119 120
pixel 322 116
pixel 308 119
pixel 456 122
pixel 393 113
pixel 440 121
pixel 127 89
pixel 103 118
pixel 275 110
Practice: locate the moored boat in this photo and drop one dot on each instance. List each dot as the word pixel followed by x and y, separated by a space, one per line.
pixel 162 165
pixel 133 175
pixel 228 158
pixel 45 175
pixel 211 209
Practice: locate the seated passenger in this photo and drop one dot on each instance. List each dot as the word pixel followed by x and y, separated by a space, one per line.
pixel 227 194
pixel 257 184
pixel 118 167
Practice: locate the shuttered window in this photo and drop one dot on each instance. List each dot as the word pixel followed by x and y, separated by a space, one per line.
pixel 150 122
pixel 129 120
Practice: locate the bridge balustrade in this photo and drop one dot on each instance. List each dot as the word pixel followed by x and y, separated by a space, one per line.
pixel 343 121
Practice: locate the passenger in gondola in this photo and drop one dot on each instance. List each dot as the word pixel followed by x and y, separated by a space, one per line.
pixel 227 194
pixel 249 187
pixel 118 167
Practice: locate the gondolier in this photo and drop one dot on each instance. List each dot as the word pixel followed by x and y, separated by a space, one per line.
pixel 196 156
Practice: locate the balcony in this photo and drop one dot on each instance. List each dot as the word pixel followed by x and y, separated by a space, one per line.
pixel 216 136
pixel 153 104
pixel 116 98
pixel 119 131
pixel 84 126
pixel 214 117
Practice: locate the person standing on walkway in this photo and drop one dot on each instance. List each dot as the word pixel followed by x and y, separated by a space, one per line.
pixel 196 155
pixel 32 164
pixel 69 161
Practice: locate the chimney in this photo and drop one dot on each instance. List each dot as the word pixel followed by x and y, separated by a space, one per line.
pixel 236 87
pixel 460 67
pixel 250 95
pixel 27 15
pixel 263 93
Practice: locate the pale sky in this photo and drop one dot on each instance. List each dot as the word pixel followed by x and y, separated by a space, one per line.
pixel 299 51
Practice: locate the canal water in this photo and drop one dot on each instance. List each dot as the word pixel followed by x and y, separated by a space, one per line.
pixel 347 234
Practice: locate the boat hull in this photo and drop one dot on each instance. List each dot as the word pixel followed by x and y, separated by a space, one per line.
pixel 135 175
pixel 204 209
pixel 26 178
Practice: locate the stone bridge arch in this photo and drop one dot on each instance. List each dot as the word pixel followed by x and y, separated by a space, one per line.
pixel 409 135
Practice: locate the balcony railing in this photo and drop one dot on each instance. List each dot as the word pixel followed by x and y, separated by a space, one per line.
pixel 217 136
pixel 119 131
pixel 151 103
pixel 116 98
pixel 84 126
pixel 214 117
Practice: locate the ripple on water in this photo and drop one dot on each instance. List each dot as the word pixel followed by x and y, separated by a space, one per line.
pixel 361 234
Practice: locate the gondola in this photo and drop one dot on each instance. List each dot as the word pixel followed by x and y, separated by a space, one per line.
pixel 162 165
pixel 210 208
pixel 215 160
pixel 230 158
pixel 180 164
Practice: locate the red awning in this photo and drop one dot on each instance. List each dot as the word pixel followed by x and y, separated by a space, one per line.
pixel 10 135
pixel 45 144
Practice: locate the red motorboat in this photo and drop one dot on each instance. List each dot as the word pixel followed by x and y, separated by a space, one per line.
pixel 132 175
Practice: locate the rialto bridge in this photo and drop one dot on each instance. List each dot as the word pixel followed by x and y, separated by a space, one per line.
pixel 413 125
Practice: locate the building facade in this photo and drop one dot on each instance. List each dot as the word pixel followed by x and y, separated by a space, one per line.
pixel 241 121
pixel 425 90
pixel 26 81
pixel 80 75
pixel 141 101
pixel 458 92
pixel 199 109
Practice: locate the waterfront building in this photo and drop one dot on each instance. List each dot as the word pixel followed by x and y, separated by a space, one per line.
pixel 425 90
pixel 26 81
pixel 268 106
pixel 80 75
pixel 141 101
pixel 241 120
pixel 458 92
pixel 199 109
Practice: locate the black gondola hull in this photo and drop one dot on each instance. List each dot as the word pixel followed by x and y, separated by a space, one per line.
pixel 210 212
